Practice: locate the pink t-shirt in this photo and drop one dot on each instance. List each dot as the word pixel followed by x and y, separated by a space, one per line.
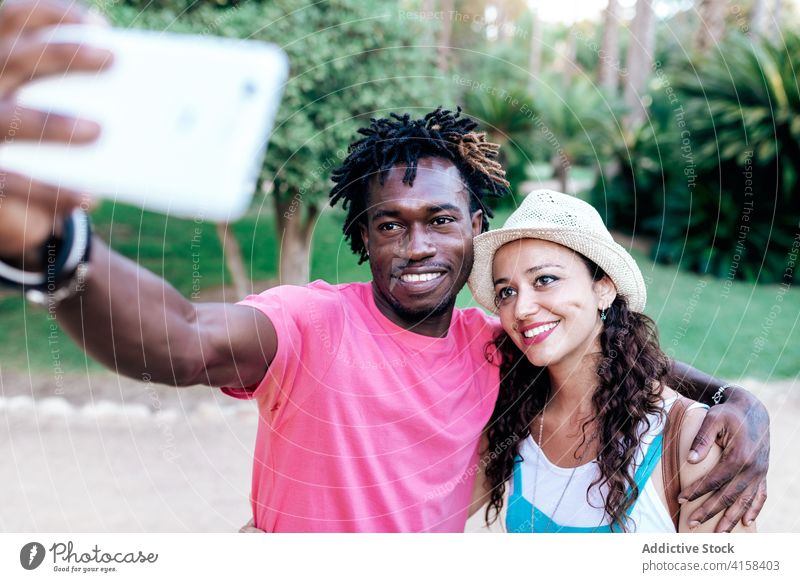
pixel 365 426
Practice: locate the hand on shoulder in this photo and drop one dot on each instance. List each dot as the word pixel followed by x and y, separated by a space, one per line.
pixel 691 472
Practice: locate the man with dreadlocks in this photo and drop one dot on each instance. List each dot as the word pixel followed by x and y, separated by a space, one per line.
pixel 377 394
pixel 372 396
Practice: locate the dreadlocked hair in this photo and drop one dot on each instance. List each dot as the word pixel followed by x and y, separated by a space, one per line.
pixel 402 140
pixel 630 372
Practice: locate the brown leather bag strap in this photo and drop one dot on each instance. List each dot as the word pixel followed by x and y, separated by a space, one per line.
pixel 671 456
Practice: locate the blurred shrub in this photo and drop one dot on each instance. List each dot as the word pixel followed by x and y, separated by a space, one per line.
pixel 507 117
pixel 713 173
pixel 181 6
pixel 576 124
pixel 350 60
pixel 631 189
pixel 576 116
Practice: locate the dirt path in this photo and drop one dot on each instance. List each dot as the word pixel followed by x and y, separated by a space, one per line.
pixel 118 456
pixel 113 455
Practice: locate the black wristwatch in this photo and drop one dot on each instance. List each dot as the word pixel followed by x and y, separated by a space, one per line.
pixel 66 265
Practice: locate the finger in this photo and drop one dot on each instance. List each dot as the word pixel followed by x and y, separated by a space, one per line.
pixel 758 504
pixel 250 527
pixel 21 16
pixel 712 481
pixel 30 211
pixel 718 501
pixel 735 513
pixel 55 199
pixel 704 440
pixel 33 59
pixel 20 123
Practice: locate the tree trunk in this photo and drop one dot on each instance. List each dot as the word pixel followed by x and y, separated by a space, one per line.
pixel 565 181
pixel 777 14
pixel 232 253
pixel 501 20
pixel 429 7
pixel 758 16
pixel 445 35
pixel 712 24
pixel 570 56
pixel 640 61
pixel 535 61
pixel 561 172
pixel 294 233
pixel 608 70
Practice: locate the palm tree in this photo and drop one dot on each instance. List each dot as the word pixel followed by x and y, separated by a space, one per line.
pixel 712 24
pixel 576 124
pixel 744 103
pixel 758 16
pixel 445 36
pixel 508 118
pixel 639 61
pixel 535 60
pixel 607 73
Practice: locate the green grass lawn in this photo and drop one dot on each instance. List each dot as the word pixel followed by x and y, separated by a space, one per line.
pixel 729 330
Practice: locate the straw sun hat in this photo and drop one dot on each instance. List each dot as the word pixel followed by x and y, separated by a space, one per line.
pixel 570 222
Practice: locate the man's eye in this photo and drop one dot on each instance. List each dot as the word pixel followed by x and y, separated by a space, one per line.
pixel 440 220
pixel 545 280
pixel 389 226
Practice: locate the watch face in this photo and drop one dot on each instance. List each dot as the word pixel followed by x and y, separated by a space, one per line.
pixel 36 297
pixel 74 285
pixel 66 257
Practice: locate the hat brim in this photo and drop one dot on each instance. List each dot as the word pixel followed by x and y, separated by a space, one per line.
pixel 615 261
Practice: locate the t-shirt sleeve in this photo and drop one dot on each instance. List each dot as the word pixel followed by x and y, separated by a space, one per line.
pixel 484 329
pixel 287 307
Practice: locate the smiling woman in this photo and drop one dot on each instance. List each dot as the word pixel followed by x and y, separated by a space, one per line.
pixel 555 298
pixel 584 384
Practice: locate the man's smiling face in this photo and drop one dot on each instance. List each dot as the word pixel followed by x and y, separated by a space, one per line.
pixel 419 240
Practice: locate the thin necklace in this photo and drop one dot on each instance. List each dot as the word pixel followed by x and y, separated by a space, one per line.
pixel 536 476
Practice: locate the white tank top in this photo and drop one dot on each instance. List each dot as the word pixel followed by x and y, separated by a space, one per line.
pixel 562 504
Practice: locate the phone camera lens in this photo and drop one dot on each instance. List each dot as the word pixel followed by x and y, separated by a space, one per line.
pixel 249 88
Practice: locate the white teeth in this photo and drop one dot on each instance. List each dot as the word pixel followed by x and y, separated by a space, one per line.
pixel 421 277
pixel 541 329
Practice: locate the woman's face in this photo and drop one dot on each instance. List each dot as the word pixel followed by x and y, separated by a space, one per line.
pixel 548 303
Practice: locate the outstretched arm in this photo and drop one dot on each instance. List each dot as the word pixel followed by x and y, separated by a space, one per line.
pixel 739 424
pixel 138 325
pixel 126 317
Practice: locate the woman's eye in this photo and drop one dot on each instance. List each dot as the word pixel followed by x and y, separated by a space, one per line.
pixel 545 280
pixel 504 294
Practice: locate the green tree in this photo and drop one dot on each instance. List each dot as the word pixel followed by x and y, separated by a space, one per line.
pixel 508 119
pixel 350 60
pixel 639 62
pixel 743 101
pixel 575 123
pixel 713 174
pixel 608 72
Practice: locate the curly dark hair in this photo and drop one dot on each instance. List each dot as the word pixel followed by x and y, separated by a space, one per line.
pixel 630 372
pixel 401 140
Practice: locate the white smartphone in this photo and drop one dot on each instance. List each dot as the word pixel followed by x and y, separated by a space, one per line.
pixel 185 121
